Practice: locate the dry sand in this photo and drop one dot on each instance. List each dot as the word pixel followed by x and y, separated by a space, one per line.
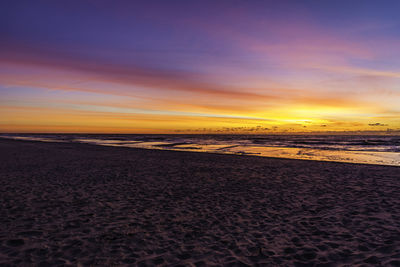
pixel 87 205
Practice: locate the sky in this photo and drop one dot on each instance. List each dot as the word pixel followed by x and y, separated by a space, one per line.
pixel 199 66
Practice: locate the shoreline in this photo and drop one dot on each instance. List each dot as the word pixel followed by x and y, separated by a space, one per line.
pixel 70 203
pixel 161 148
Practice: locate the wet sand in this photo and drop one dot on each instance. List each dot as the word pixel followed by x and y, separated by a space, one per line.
pixel 83 204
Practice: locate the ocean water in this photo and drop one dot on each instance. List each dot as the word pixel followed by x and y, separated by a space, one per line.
pixel 378 149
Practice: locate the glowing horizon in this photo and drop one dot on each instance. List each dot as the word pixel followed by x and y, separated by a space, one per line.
pixel 200 67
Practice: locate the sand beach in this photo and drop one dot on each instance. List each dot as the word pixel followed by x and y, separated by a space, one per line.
pixel 86 205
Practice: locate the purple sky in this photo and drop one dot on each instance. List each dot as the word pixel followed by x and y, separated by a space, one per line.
pixel 199 66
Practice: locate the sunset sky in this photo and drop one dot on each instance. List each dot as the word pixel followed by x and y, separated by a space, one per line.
pixel 199 66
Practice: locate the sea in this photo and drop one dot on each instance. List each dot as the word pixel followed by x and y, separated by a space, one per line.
pixel 366 149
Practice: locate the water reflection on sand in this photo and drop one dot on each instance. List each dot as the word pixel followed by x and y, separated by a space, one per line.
pixel 372 151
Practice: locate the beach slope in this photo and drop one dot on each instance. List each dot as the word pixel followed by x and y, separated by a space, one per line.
pixel 64 203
